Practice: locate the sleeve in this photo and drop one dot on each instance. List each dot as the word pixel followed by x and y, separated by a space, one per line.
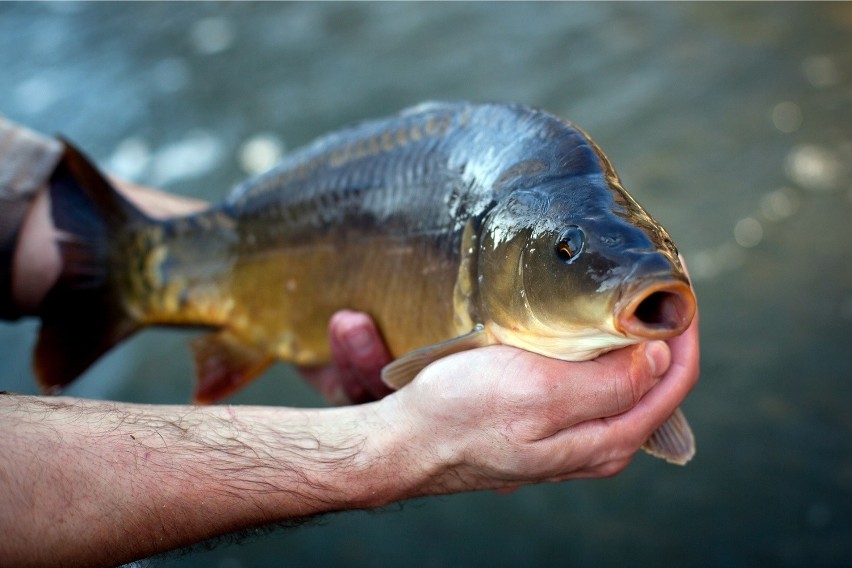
pixel 27 160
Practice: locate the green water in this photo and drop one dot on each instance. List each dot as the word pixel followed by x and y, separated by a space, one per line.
pixel 731 123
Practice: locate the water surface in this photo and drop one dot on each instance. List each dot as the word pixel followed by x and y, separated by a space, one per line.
pixel 732 124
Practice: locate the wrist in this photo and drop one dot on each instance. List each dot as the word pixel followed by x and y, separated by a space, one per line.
pixel 404 457
pixel 385 461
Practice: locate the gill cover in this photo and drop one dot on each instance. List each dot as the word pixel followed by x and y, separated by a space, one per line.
pixel 501 262
pixel 540 275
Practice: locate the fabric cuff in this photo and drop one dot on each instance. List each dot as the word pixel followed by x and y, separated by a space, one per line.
pixel 27 159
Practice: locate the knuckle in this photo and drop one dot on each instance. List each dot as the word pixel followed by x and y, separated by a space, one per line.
pixel 631 384
pixel 627 390
pixel 613 467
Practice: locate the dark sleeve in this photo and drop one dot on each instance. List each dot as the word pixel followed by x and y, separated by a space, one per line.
pixel 26 161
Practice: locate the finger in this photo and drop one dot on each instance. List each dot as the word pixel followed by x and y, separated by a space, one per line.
pixel 607 386
pixel 619 380
pixel 664 398
pixel 607 445
pixel 359 353
pixel 587 451
pixel 686 352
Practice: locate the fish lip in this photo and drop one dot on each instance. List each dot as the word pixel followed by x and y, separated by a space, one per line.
pixel 660 309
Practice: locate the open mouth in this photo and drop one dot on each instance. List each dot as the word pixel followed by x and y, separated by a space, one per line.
pixel 660 310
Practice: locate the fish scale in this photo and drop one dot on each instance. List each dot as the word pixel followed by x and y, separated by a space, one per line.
pixel 454 225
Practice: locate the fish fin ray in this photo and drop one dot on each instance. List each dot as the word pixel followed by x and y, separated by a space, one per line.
pixel 399 373
pixel 72 339
pixel 673 441
pixel 225 364
pixel 82 315
pixel 111 207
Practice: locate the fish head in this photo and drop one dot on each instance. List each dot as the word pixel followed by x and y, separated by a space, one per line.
pixel 575 268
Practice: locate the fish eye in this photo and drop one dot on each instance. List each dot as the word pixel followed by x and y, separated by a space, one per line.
pixel 570 244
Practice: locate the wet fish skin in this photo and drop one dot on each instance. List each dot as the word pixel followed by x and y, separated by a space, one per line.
pixel 443 217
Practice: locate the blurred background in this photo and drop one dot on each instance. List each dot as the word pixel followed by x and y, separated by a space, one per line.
pixel 730 123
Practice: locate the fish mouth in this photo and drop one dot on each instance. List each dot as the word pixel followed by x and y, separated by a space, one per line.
pixel 659 310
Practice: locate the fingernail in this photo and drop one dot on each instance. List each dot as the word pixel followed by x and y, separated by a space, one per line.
pixel 359 341
pixel 659 357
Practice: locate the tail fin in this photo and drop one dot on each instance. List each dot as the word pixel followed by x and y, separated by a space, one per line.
pixel 83 315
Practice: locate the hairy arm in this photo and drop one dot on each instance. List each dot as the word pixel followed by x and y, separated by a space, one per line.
pixel 100 483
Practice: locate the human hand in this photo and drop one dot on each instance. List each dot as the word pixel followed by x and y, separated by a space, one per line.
pixel 499 417
pixel 359 354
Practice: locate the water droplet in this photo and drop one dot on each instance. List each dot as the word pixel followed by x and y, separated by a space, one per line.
pixel 779 204
pixel 815 168
pixel 212 35
pixel 260 152
pixel 748 232
pixel 821 71
pixel 787 117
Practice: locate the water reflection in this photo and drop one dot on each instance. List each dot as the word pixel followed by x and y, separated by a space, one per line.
pixel 787 117
pixel 816 168
pixel 260 152
pixel 212 35
pixel 821 71
pixel 779 204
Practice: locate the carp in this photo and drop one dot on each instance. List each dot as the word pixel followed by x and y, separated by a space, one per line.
pixel 454 225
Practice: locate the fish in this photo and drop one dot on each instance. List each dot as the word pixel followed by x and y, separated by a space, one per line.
pixel 455 225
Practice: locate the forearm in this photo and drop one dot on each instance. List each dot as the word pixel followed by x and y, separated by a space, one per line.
pixel 95 482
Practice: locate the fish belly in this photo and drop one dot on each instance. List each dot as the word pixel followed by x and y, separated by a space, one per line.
pixel 284 299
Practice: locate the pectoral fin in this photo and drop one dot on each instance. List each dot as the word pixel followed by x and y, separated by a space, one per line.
pixel 673 441
pixel 225 365
pixel 402 371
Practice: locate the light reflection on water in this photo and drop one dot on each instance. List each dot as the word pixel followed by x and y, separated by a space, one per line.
pixel 730 123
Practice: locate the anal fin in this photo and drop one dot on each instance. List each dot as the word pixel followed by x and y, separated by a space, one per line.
pixel 673 441
pixel 225 364
pixel 402 371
